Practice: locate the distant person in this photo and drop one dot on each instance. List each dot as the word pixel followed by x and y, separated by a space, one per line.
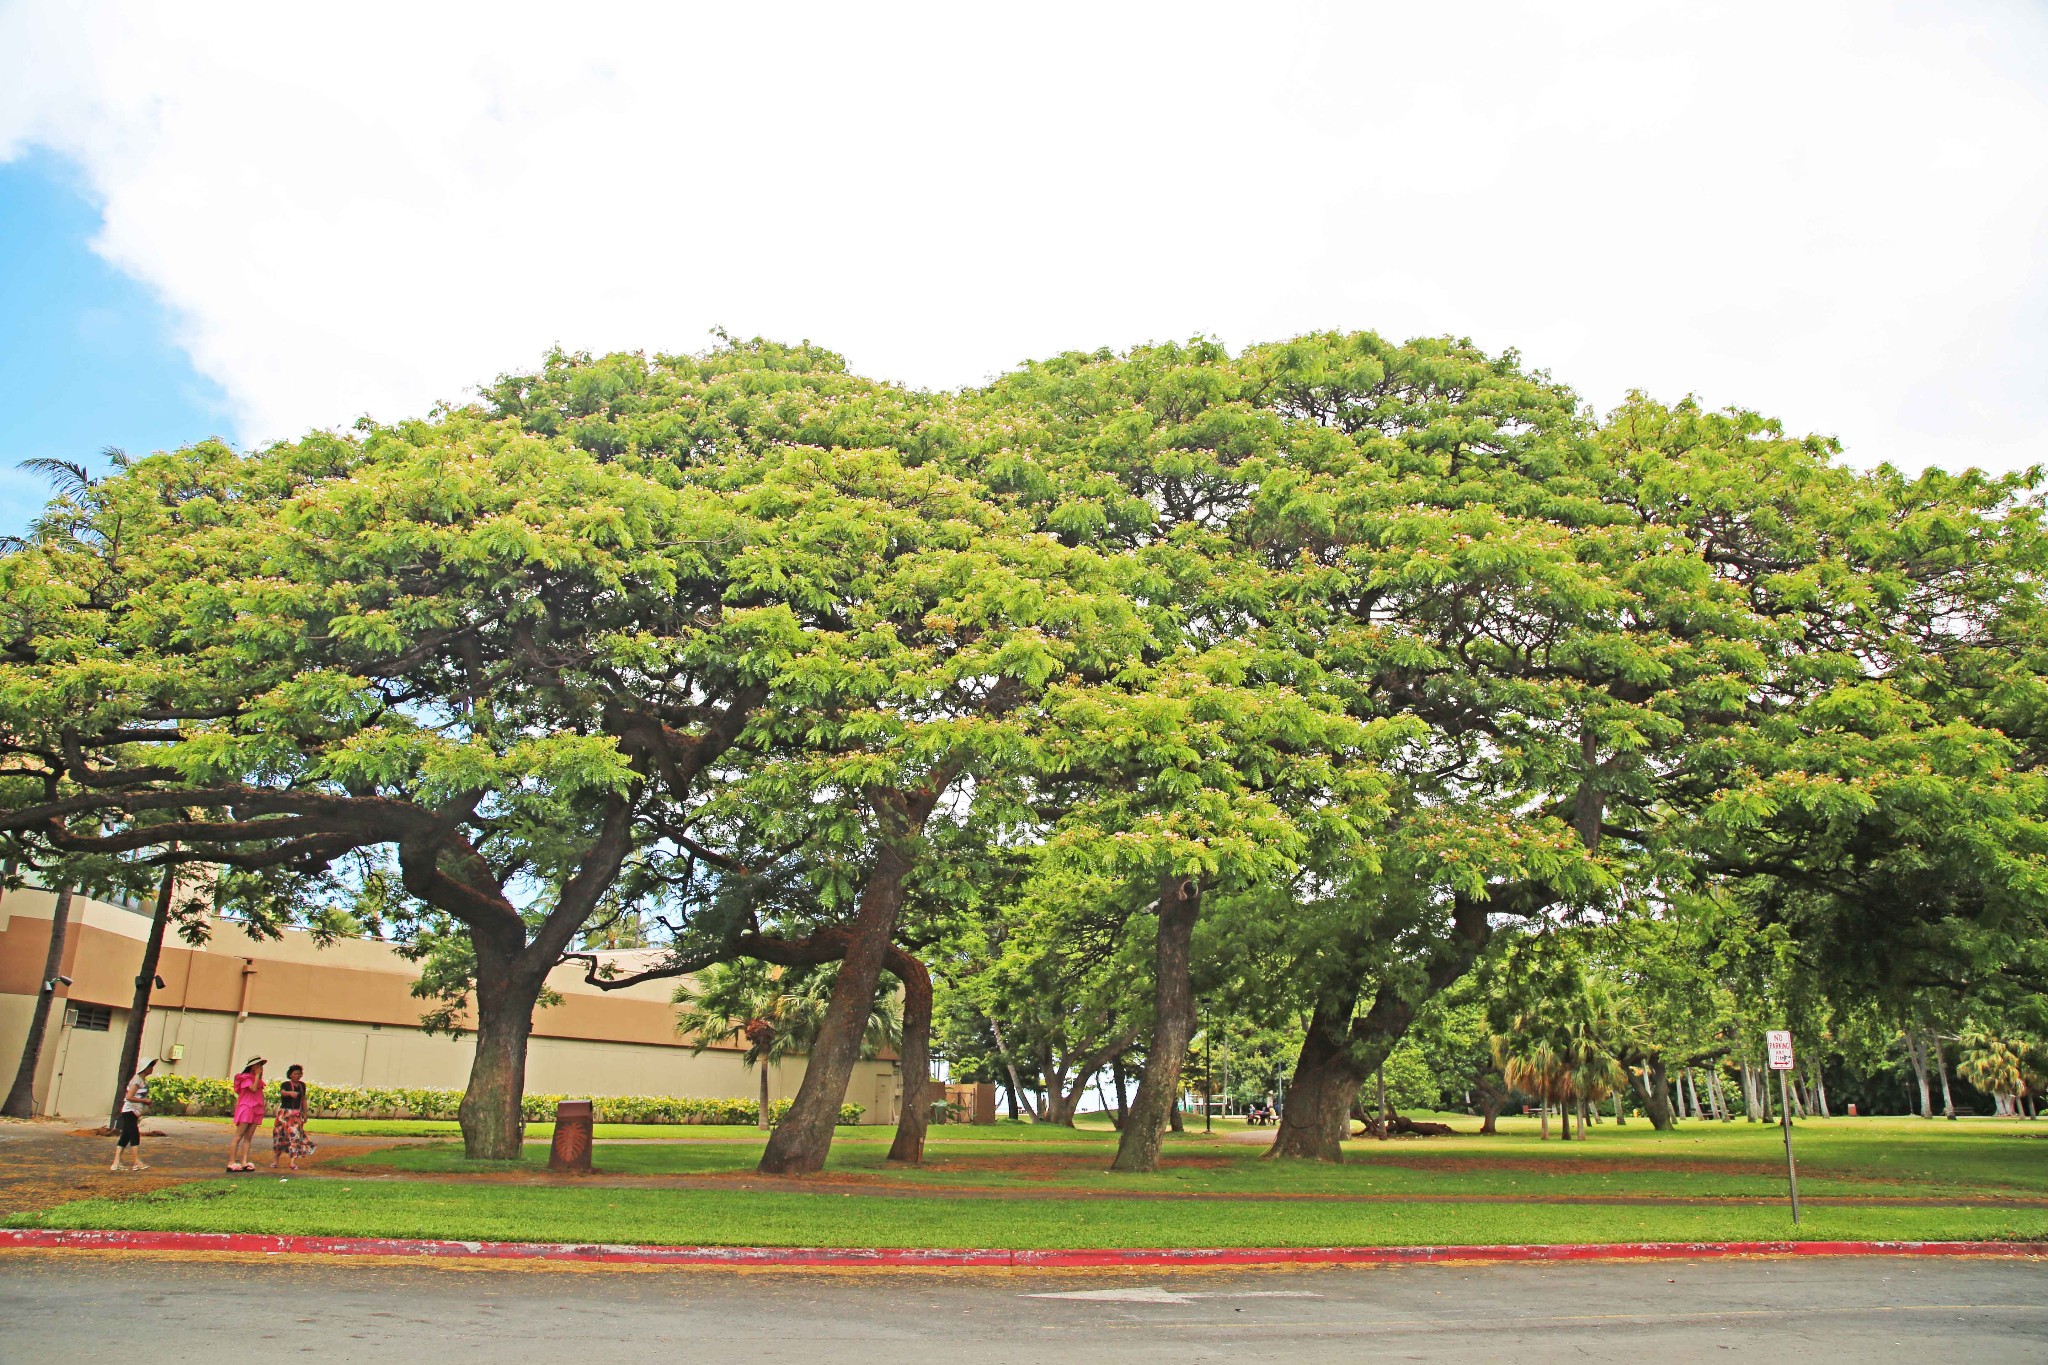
pixel 248 1113
pixel 288 1132
pixel 128 1123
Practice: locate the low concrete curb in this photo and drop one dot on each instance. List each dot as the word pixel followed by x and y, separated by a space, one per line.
pixel 913 1258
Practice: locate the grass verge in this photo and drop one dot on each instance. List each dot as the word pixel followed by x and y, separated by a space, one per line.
pixel 733 1218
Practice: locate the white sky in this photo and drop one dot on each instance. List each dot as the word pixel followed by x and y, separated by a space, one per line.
pixel 1831 212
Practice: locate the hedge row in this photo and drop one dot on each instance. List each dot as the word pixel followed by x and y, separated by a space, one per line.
pixel 205 1095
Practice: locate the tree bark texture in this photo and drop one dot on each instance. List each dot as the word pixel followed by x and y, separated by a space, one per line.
pixel 1180 904
pixel 21 1096
pixel 492 1114
pixel 1656 1096
pixel 1324 1086
pixel 914 1114
pixel 145 982
pixel 1343 1048
pixel 801 1142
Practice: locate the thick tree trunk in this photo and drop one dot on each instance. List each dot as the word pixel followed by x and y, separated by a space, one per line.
pixel 1321 1092
pixel 1173 1024
pixel 1060 1106
pixel 493 1125
pixel 145 982
pixel 801 1142
pixel 914 1115
pixel 1123 1102
pixel 1656 1102
pixel 21 1096
pixel 1174 1123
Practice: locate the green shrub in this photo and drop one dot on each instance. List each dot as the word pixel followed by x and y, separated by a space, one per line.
pixel 205 1095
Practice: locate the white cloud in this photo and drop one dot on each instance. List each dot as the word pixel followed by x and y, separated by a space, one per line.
pixel 1832 212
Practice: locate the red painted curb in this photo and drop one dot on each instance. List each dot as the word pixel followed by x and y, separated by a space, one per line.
pixel 878 1257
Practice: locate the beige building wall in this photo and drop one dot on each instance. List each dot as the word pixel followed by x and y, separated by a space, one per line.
pixel 345 1012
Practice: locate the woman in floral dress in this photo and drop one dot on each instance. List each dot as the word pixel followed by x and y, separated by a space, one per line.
pixel 288 1134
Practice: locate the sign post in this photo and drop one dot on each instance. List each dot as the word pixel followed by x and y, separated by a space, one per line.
pixel 1778 1043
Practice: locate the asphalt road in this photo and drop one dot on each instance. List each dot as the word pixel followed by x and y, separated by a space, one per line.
pixel 65 1307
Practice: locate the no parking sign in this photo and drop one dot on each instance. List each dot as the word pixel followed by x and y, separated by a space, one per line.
pixel 1778 1042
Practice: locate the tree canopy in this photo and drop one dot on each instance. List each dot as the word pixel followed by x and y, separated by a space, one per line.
pixel 1294 681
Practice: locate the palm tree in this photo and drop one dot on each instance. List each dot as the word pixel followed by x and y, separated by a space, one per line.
pixel 1562 1047
pixel 1997 1066
pixel 1531 1065
pixel 776 1009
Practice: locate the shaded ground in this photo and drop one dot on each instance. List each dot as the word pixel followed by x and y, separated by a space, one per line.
pixel 44 1162
pixel 1822 1310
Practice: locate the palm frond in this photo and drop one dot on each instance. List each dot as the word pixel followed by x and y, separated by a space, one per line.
pixel 67 477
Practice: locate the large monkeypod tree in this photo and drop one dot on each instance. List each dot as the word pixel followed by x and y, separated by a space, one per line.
pixel 350 668
pixel 921 625
pixel 1589 624
pixel 466 671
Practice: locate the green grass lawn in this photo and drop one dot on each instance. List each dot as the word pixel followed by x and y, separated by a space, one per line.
pixel 1076 1202
pixel 1872 1157
pixel 735 1218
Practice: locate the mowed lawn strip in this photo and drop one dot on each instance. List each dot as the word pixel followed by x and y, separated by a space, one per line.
pixel 500 1212
pixel 1697 1161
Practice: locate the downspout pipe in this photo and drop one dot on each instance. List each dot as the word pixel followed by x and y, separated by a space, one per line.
pixel 241 1014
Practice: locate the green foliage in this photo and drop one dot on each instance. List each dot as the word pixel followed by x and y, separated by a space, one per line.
pixel 776 1011
pixel 1387 648
pixel 207 1096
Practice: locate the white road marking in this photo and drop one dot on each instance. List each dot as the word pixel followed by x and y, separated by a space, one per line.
pixel 1152 1293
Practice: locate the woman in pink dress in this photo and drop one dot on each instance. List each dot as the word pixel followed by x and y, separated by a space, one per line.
pixel 248 1113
